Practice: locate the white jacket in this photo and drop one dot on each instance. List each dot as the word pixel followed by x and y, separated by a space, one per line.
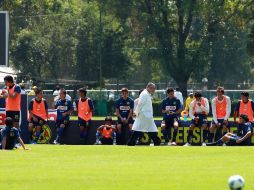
pixel 145 105
pixel 144 121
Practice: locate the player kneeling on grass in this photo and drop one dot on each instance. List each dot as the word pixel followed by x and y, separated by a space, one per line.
pixel 10 135
pixel 171 108
pixel 106 133
pixel 243 137
pixel 199 109
pixel 64 109
pixel 38 110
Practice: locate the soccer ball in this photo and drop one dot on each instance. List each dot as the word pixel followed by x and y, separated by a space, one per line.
pixel 236 182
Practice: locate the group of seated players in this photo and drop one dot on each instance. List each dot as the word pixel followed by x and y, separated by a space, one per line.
pixel 198 110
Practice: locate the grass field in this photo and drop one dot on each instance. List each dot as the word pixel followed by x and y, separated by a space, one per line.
pixel 63 167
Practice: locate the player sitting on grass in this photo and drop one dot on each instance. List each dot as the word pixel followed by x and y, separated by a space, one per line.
pixel 243 137
pixel 106 133
pixel 10 135
pixel 38 110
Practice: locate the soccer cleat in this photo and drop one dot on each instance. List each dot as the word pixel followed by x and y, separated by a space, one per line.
pixel 187 144
pixel 34 142
pixel 203 144
pixel 56 142
pixel 173 144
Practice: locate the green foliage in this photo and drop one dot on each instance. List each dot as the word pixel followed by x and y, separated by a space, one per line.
pixel 133 41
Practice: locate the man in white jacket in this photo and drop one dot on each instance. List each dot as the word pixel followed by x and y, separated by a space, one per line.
pixel 144 117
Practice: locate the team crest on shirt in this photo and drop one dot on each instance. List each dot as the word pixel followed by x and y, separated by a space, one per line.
pixel 128 103
pixel 45 135
pixel 66 103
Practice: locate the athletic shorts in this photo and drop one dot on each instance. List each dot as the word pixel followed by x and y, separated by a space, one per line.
pixel 40 122
pixel 131 121
pixel 170 122
pixel 62 121
pixel 82 122
pixel 219 121
pixel 201 121
pixel 234 138
pixel 107 141
pixel 15 115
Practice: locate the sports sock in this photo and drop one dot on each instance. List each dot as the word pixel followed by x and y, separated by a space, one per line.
pixel 174 135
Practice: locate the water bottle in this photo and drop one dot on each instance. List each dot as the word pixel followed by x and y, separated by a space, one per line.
pixel 185 117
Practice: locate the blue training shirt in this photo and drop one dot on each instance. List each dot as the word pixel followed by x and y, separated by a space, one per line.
pixel 124 106
pixel 63 106
pixel 173 105
pixel 11 134
pixel 243 129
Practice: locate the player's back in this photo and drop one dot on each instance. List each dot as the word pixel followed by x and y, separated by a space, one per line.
pixel 11 135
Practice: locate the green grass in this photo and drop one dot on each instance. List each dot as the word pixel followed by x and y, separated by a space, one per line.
pixel 52 167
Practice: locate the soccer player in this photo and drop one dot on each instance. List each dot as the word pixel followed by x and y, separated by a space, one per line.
pixel 85 109
pixel 13 100
pixel 106 133
pixel 171 109
pixel 10 135
pixel 64 109
pixel 244 106
pixel 144 121
pixel 199 109
pixel 187 104
pixel 243 137
pixel 124 112
pixel 38 111
pixel 221 109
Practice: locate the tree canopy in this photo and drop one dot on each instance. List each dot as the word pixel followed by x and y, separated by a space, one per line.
pixel 179 41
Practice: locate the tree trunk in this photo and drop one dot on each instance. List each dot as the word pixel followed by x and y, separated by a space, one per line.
pixel 182 84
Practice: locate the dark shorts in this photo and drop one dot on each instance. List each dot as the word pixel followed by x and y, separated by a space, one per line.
pixel 131 121
pixel 15 115
pixel 82 122
pixel 62 121
pixel 108 141
pixel 40 122
pixel 201 121
pixel 169 122
pixel 234 138
pixel 219 121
